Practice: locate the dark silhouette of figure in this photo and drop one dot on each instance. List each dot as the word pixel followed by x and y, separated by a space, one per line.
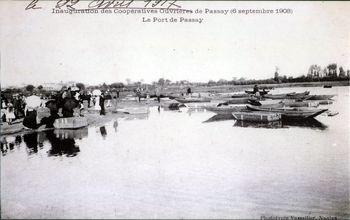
pixel 255 89
pixel 29 120
pixel 49 121
pixel 31 141
pixel 61 146
pixel 103 131
pixel 102 104
pixel 68 107
pixel 189 91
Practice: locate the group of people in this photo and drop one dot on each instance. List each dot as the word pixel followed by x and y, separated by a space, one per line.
pixel 12 108
pixel 144 93
pixel 60 104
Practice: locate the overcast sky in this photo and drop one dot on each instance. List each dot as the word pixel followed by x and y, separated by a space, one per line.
pixel 39 47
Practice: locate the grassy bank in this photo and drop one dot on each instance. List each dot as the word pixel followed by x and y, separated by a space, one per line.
pixel 239 88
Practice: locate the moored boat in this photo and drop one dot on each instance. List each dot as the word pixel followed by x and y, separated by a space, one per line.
pixel 247 100
pixel 292 113
pixel 288 103
pixel 325 102
pixel 261 92
pixel 173 105
pixel 292 95
pixel 257 116
pixel 192 99
pixel 319 97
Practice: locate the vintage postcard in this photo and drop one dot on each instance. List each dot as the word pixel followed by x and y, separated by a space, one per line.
pixel 168 109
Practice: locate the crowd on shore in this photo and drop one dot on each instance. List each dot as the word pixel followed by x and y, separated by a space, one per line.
pixel 60 104
pixel 26 108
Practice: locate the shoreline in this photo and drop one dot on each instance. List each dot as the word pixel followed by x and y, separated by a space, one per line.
pixel 95 119
pixel 239 88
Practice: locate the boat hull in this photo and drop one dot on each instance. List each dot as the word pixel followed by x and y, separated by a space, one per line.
pixel 291 113
pixel 257 116
pixel 190 100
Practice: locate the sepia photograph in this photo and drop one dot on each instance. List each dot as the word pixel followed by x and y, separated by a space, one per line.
pixel 169 109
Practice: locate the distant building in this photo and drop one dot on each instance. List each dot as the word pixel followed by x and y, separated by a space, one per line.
pixel 57 86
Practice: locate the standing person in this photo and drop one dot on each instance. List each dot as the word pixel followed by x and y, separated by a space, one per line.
pixel 3 111
pixel 255 89
pixel 17 106
pixel 109 99
pixel 138 93
pixel 189 91
pixel 32 104
pixel 89 96
pixel 52 105
pixel 114 101
pixel 10 113
pixel 102 104
pixel 158 94
pixel 118 93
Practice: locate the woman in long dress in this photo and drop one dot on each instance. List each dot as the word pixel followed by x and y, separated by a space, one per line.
pixel 10 113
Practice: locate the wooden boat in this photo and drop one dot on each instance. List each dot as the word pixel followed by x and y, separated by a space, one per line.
pixel 292 113
pixel 332 113
pixel 257 116
pixel 261 92
pixel 173 105
pixel 327 86
pixel 242 95
pixel 319 97
pixel 292 95
pixel 225 109
pixel 325 102
pixel 283 104
pixel 292 103
pixel 70 123
pixel 278 96
pixel 192 99
pixel 238 101
pixel 299 94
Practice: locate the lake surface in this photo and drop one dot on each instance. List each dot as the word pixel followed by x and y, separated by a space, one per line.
pixel 173 164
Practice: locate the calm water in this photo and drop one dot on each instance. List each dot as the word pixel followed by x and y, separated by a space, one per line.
pixel 172 164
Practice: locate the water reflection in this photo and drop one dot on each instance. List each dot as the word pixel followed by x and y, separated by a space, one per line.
pixel 135 116
pixel 115 126
pixel 220 117
pixel 8 144
pixel 274 124
pixel 306 123
pixel 61 142
pixel 190 111
pixel 31 141
pixel 18 140
pixel 61 145
pixel 103 131
pixel 76 133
